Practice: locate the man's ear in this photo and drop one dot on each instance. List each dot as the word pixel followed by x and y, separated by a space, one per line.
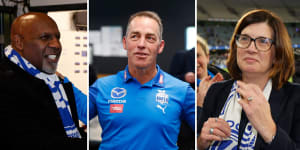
pixel 124 42
pixel 17 42
pixel 161 46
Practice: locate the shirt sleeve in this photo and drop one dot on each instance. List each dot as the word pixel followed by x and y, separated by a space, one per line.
pixel 81 104
pixel 189 107
pixel 288 140
pixel 93 91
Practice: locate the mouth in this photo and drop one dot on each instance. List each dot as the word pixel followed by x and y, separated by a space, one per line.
pixel 250 60
pixel 52 58
pixel 141 55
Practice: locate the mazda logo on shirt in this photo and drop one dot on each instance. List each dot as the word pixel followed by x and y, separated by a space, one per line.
pixel 118 92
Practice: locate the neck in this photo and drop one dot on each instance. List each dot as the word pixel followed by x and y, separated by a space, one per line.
pixel 143 75
pixel 260 80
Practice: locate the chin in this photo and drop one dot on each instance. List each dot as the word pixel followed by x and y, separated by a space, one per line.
pixel 141 65
pixel 250 70
pixel 200 70
pixel 49 69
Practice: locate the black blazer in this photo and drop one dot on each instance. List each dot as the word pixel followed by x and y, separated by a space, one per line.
pixel 285 109
pixel 28 113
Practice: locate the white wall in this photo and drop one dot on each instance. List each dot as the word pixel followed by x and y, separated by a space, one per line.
pixel 73 60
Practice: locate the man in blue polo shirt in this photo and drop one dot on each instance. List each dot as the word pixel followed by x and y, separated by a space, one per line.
pixel 142 106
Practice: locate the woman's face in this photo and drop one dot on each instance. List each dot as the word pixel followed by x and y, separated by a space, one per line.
pixel 202 61
pixel 252 61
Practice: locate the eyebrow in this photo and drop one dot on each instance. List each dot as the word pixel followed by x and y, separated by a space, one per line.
pixel 48 33
pixel 257 36
pixel 137 32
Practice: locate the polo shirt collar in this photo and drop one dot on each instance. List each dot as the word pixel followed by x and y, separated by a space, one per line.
pixel 158 79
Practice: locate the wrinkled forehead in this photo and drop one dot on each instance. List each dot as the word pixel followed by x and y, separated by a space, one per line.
pixel 144 23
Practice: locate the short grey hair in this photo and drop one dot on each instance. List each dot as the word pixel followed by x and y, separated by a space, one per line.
pixel 149 14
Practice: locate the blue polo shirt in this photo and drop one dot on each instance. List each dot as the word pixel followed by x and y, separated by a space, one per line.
pixel 135 116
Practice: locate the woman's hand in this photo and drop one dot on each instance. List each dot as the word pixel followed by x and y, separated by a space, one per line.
pixel 257 109
pixel 204 86
pixel 214 129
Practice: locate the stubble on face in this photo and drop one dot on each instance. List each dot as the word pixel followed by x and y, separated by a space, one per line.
pixel 141 47
pixel 42 47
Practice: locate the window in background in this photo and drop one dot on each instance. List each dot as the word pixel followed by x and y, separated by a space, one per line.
pixel 190 37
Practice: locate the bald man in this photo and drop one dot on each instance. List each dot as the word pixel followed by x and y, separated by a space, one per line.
pixel 37 108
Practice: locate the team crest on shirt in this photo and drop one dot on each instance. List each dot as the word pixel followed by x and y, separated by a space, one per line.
pixel 162 100
pixel 118 92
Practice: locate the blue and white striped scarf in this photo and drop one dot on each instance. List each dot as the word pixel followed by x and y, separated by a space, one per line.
pixel 55 87
pixel 231 113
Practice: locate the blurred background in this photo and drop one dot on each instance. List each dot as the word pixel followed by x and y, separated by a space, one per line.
pixel 108 21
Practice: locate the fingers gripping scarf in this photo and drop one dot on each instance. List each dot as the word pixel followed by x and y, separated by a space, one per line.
pixel 55 87
pixel 231 113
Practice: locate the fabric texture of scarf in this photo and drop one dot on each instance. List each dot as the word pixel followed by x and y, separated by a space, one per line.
pixel 55 87
pixel 231 113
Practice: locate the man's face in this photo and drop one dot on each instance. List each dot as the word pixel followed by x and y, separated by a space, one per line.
pixel 41 45
pixel 142 43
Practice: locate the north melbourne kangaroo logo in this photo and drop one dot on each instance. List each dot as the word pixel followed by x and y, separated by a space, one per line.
pixel 162 100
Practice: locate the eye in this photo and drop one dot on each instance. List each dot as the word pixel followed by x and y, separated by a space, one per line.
pixel 243 38
pixel 134 37
pixel 45 37
pixel 57 36
pixel 151 38
pixel 264 40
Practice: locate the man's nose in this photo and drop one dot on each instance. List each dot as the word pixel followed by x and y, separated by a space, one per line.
pixel 141 43
pixel 55 43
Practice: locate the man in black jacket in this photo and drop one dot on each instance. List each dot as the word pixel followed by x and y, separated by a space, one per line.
pixel 38 109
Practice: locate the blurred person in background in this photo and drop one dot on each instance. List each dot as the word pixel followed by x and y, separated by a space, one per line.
pixel 183 68
pixel 258 108
pixel 207 74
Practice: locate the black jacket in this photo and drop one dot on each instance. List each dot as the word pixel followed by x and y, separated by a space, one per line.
pixel 214 69
pixel 183 62
pixel 28 113
pixel 285 109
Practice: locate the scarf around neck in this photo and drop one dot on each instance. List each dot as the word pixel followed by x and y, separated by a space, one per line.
pixel 231 113
pixel 55 86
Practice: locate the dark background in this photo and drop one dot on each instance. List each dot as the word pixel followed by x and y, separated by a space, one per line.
pixel 176 15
